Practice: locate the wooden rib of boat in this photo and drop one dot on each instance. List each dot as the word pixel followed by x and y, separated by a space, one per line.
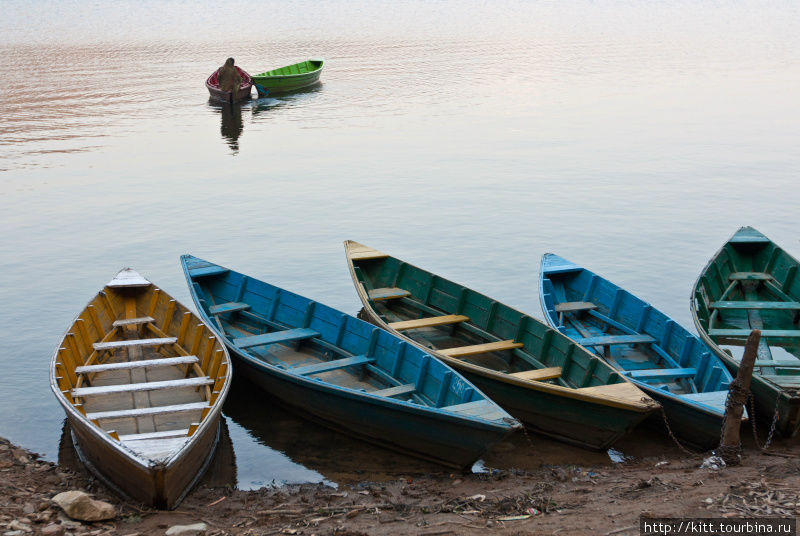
pixel 142 381
pixel 538 374
pixel 245 88
pixel 666 361
pixel 751 283
pixel 344 372
pixel 289 78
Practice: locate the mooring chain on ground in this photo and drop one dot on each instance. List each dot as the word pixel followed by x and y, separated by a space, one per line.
pixel 771 434
pixel 672 435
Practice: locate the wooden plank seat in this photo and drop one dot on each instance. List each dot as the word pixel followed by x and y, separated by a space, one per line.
pixel 144 363
pixel 387 293
pixel 784 380
pixel 765 333
pixel 778 363
pixel 207 271
pixel 229 307
pixel 569 307
pixel 145 386
pixel 155 435
pixel 749 276
pixel 621 391
pixel 132 343
pixel 664 374
pixel 335 364
pixel 779 305
pixel 714 399
pixel 283 336
pixel 499 346
pixel 143 412
pixel 397 390
pixel 542 374
pixel 608 340
pixel 133 321
pixel 428 322
pixel 483 409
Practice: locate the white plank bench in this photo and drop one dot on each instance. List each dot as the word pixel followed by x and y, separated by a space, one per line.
pixel 113 345
pixel 230 307
pixel 145 386
pixel 143 412
pixel 144 363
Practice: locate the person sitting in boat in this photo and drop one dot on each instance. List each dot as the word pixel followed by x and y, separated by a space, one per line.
pixel 229 78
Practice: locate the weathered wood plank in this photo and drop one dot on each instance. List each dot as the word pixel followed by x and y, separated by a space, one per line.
pixel 475 349
pixel 100 346
pixel 780 305
pixel 274 337
pixel 133 321
pixel 360 252
pixel 568 307
pixel 749 276
pixel 549 373
pixel 145 363
pixel 128 278
pixel 428 322
pixel 608 340
pixel 784 380
pixel 146 386
pixel 229 307
pixel 155 435
pixel 663 374
pixel 387 293
pixel 622 391
pixel 744 333
pixel 395 391
pixel 336 364
pixel 141 412
pixel 483 409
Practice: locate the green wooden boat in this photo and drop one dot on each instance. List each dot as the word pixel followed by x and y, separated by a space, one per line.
pixel 289 78
pixel 751 283
pixel 537 374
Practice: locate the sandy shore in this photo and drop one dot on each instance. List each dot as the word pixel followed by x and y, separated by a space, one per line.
pixel 553 499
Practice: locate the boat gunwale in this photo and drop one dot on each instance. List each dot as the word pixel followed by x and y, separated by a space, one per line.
pixel 146 463
pixel 293 75
pixel 639 383
pixel 557 390
pixel 506 423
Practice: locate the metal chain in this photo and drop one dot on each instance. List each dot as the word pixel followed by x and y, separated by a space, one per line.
pixel 672 435
pixel 771 434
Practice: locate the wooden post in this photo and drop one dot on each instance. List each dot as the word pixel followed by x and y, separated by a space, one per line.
pixel 739 392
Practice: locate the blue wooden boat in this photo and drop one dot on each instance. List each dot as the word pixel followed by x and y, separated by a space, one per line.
pixel 672 365
pixel 344 372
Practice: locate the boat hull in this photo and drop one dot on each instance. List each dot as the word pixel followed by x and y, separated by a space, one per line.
pixel 161 486
pixel 245 89
pixel 569 414
pixel 428 426
pixel 748 250
pixel 270 83
pixel 416 434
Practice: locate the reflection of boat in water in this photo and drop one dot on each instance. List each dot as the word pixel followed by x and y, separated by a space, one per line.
pixel 288 99
pixel 231 126
pixel 338 457
pixel 220 473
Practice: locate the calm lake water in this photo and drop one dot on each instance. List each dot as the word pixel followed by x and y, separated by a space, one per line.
pixel 467 137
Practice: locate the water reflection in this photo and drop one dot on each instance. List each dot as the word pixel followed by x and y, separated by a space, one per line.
pixel 290 98
pixel 307 445
pixel 231 126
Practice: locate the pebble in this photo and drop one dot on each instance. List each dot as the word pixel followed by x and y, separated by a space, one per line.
pixel 19 525
pixel 28 508
pixel 53 529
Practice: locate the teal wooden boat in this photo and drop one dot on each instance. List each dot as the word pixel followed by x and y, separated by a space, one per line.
pixel 289 78
pixel 344 372
pixel 751 283
pixel 539 375
pixel 661 357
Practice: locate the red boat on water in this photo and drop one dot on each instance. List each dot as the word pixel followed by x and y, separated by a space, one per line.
pixel 212 83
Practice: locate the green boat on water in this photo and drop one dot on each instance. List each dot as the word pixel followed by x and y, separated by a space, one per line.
pixel 289 78
pixel 751 283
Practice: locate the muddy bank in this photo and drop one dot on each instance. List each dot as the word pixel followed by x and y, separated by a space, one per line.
pixel 553 499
